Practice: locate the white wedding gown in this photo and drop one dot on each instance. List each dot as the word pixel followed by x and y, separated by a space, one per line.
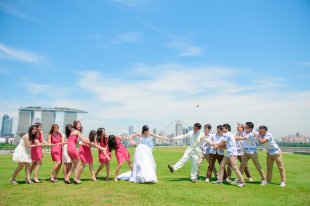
pixel 144 167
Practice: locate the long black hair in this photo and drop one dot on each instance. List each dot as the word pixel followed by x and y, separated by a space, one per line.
pixel 68 130
pixel 92 135
pixel 31 136
pixel 112 142
pixel 145 128
pixel 99 133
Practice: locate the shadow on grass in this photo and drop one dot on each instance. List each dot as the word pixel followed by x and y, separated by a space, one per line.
pixel 21 182
pixel 178 179
pixel 204 178
pixel 104 179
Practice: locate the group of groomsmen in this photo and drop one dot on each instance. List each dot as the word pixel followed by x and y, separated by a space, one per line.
pixel 240 145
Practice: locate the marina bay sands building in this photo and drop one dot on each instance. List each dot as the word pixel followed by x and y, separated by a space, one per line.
pixel 46 116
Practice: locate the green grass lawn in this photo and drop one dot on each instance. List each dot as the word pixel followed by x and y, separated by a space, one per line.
pixel 171 189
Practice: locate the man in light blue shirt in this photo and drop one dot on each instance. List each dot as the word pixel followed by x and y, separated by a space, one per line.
pixel 273 154
pixel 250 151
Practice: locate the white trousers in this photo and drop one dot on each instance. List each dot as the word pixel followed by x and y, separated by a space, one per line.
pixel 193 154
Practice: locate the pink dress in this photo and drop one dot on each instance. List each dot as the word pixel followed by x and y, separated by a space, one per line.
pixel 85 154
pixel 121 152
pixel 72 151
pixel 36 152
pixel 56 151
pixel 102 157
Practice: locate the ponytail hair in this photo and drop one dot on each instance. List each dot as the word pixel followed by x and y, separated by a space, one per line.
pixel 92 135
pixel 145 128
pixel 99 133
pixel 68 129
pixel 112 143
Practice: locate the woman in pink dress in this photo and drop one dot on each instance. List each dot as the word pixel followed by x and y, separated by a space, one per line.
pixel 37 154
pixel 121 153
pixel 73 136
pixel 55 141
pixel 104 158
pixel 86 156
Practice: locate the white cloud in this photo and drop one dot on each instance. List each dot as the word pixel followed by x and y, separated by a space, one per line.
pixel 173 91
pixel 157 95
pixel 36 88
pixel 20 55
pixel 185 49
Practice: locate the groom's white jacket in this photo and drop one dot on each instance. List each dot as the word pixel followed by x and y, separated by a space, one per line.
pixel 195 141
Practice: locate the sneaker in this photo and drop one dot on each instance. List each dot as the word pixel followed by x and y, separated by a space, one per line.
pixel 13 182
pixel 170 168
pixel 264 182
pixel 251 179
pixel 236 180
pixel 217 182
pixel 283 184
pixel 194 180
pixel 241 185
pixel 207 180
pixel 228 179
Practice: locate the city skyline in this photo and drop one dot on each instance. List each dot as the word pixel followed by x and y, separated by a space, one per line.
pixel 131 62
pixel 47 117
pixel 290 138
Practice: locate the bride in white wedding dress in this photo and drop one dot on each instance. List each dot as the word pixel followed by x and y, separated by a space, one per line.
pixel 144 166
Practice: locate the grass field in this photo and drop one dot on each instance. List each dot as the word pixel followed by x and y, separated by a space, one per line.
pixel 172 189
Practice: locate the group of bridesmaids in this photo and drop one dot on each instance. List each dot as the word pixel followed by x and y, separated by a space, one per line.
pixel 64 149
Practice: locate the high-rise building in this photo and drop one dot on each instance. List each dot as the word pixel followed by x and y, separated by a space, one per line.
pixel 37 120
pixel 27 115
pixel 179 131
pixel 161 141
pixel 131 131
pixel 186 140
pixel 47 120
pixel 69 118
pixel 7 123
pixel 25 119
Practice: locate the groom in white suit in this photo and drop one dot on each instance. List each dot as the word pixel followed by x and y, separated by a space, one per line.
pixel 192 152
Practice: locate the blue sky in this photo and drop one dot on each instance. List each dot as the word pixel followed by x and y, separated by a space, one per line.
pixel 135 62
